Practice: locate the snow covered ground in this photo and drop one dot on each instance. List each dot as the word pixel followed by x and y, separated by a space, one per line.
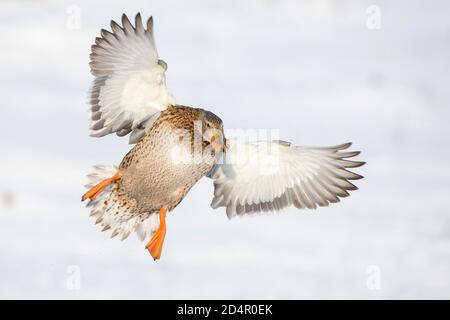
pixel 316 70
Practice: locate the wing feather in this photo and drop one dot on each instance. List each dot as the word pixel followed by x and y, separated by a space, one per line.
pixel 270 176
pixel 129 89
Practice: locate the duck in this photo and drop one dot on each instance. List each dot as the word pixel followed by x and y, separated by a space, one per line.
pixel 174 146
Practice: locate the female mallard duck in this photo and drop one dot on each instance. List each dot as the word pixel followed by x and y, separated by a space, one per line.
pixel 176 145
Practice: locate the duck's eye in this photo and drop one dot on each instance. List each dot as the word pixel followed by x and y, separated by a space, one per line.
pixel 163 64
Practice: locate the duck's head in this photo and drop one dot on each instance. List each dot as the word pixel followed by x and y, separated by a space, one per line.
pixel 213 132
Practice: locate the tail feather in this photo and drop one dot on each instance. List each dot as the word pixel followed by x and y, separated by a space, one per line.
pixel 117 212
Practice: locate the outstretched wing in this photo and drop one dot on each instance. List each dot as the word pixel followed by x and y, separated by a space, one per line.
pixel 269 176
pixel 129 89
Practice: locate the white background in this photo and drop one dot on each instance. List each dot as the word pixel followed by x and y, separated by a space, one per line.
pixel 313 70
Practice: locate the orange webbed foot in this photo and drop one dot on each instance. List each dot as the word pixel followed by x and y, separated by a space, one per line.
pixel 99 187
pixel 154 246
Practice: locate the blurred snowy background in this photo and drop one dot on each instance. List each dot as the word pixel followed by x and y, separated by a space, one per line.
pixel 322 72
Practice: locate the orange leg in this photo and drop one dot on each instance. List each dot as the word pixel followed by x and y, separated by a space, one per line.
pixel 98 188
pixel 154 246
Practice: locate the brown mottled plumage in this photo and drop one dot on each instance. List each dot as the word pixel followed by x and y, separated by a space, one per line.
pixel 148 173
pixel 178 145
